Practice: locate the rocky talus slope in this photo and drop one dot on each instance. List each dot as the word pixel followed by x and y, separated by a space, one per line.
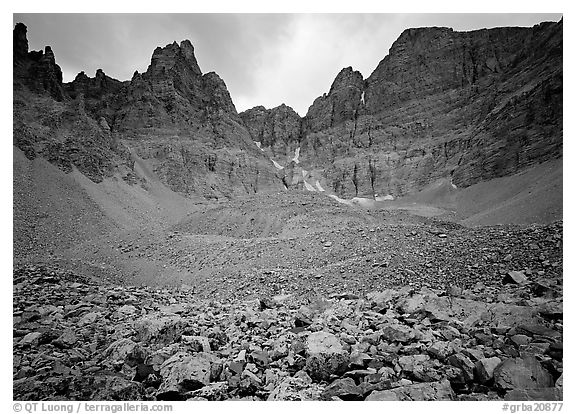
pixel 81 339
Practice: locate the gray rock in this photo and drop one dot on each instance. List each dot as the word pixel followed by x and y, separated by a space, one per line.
pixel 66 340
pixel 89 318
pixel 127 310
pixel 113 388
pixel 411 304
pixel 184 372
pixel 117 352
pixel 408 362
pixel 420 367
pixel 560 381
pixel 197 343
pixel 325 356
pixel 430 391
pixel 212 392
pixel 521 373
pixel 540 394
pixel 382 299
pixel 295 389
pixel 520 339
pixel 484 369
pixel 398 333
pixel 31 338
pixel 515 277
pixel 164 329
pixel 343 388
pixel 461 361
pixel 280 348
pixel 540 330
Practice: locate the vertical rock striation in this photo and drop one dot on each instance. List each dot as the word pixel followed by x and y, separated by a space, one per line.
pixel 181 120
pixel 465 106
pixel 278 128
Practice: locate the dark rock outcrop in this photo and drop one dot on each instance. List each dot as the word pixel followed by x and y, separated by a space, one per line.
pixel 97 93
pixel 182 120
pixel 35 70
pixel 341 104
pixel 278 129
pixel 20 43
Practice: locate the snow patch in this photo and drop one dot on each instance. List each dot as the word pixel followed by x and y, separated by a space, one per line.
pixel 367 202
pixel 387 197
pixel 362 98
pixel 277 165
pixel 340 200
pixel 309 187
pixel 296 158
pixel 259 145
pixel 319 186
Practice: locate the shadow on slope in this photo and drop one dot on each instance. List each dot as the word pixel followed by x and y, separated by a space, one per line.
pixel 532 196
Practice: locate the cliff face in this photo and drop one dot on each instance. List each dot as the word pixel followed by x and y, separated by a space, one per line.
pixel 466 105
pixel 185 122
pixel 343 102
pixel 278 129
pixel 35 70
pixel 181 120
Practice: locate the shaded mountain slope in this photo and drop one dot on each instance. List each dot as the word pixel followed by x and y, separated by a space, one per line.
pixel 466 106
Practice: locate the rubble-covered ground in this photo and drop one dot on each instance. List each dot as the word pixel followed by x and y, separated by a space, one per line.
pixel 77 338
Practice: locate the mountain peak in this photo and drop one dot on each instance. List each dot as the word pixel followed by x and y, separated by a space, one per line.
pixel 173 55
pixel 346 78
pixel 20 41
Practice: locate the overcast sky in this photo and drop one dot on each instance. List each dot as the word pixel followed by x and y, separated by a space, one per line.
pixel 265 59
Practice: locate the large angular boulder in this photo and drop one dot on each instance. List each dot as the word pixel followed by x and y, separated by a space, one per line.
pixel 430 391
pixel 162 329
pixel 539 394
pixel 297 388
pixel 461 361
pixel 325 356
pixel 516 277
pixel 522 373
pixel 343 388
pixel 184 372
pixel 484 369
pixel 398 333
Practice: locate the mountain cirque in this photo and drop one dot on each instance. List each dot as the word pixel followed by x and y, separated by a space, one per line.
pixel 168 248
pixel 468 106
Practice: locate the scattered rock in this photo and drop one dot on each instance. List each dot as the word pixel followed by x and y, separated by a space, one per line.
pixel 431 391
pixel 345 389
pixel 521 373
pixel 325 356
pixel 484 369
pixel 515 277
pixel 540 394
pixel 184 372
